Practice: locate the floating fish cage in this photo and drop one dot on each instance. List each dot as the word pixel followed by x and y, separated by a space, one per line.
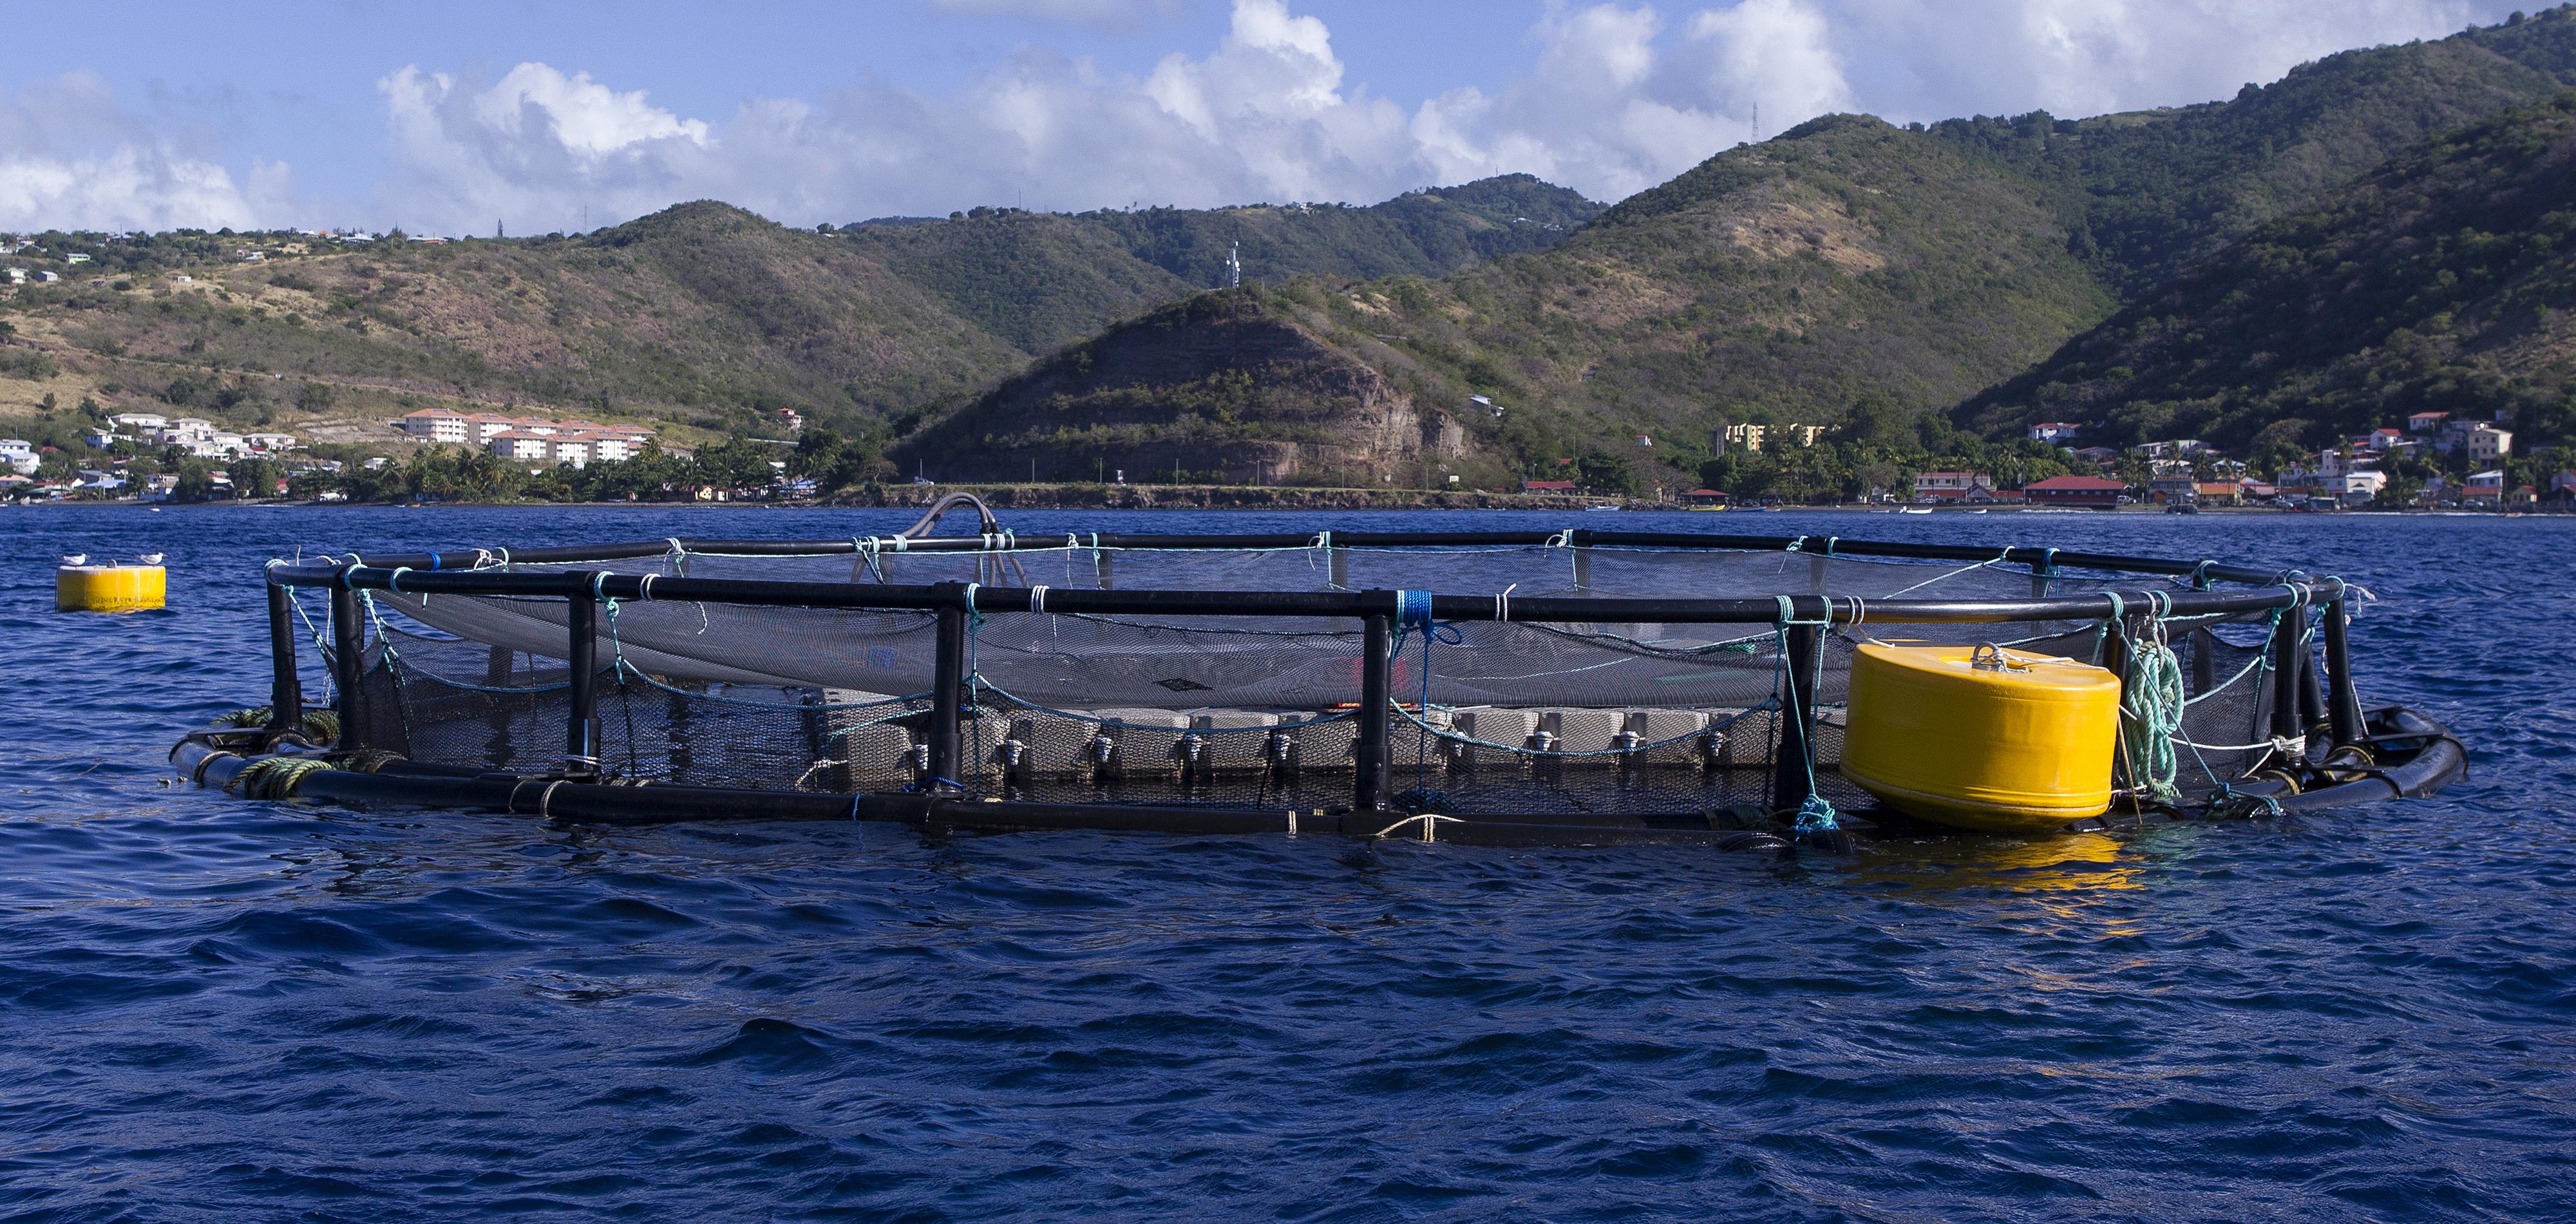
pixel 1563 687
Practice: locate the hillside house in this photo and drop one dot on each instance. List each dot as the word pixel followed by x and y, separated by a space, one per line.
pixel 1949 486
pixel 2426 422
pixel 1550 486
pixel 2054 432
pixel 2485 488
pixel 2086 491
pixel 2488 444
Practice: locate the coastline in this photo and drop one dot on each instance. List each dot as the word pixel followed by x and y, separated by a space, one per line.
pixel 1258 498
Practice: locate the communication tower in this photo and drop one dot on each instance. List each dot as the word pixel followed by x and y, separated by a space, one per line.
pixel 1234 265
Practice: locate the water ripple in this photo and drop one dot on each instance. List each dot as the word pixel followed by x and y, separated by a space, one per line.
pixel 226 1009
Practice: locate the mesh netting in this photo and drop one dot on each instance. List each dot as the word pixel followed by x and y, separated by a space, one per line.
pixel 1491 717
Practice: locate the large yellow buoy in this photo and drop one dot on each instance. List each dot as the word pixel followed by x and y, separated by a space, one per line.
pixel 1981 738
pixel 109 588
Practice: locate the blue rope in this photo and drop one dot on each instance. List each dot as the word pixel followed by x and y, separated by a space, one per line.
pixel 1412 613
pixel 1816 815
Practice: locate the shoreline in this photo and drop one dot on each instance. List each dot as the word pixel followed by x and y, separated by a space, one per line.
pixel 1237 497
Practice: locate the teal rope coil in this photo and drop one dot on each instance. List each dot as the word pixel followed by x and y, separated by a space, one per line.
pixel 1816 816
pixel 2151 710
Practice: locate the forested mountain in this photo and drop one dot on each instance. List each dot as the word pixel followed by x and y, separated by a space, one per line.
pixel 2446 282
pixel 2146 192
pixel 1039 280
pixel 1848 266
pixel 701 312
pixel 2381 228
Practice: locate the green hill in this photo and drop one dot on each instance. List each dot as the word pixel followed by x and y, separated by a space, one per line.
pixel 700 313
pixel 2146 192
pixel 2443 283
pixel 1222 386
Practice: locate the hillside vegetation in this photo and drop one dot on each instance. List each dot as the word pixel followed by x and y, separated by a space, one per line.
pixel 2380 229
pixel 699 314
pixel 2445 283
pixel 1222 387
pixel 2147 192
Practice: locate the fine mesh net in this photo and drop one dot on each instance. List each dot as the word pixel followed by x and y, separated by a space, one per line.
pixel 1498 718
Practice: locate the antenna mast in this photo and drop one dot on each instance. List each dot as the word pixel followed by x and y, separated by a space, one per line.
pixel 1234 265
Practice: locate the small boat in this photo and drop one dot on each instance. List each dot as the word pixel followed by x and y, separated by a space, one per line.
pixel 1601 506
pixel 1914 510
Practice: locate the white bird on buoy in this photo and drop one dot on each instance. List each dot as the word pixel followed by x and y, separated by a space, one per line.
pixel 75 558
pixel 150 558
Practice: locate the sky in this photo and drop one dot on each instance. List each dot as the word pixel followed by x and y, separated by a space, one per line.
pixel 461 117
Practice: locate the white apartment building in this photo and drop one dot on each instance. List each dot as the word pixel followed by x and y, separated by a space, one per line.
pixel 516 446
pixel 2488 444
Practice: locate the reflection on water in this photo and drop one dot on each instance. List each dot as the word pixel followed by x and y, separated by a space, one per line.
pixel 2065 862
pixel 272 1011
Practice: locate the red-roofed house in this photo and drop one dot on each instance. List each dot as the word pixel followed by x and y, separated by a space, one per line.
pixel 1704 497
pixel 2075 491
pixel 1550 486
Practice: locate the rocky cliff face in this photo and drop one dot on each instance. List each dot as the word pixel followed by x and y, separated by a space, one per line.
pixel 1220 387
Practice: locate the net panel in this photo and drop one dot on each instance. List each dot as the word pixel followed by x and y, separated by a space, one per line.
pixel 1519 718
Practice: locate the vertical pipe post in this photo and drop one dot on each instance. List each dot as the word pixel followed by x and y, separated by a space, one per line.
pixel 496 675
pixel 1377 691
pixel 1582 558
pixel 2289 665
pixel 2343 706
pixel 581 654
pixel 348 665
pixel 1797 720
pixel 285 688
pixel 1337 566
pixel 947 689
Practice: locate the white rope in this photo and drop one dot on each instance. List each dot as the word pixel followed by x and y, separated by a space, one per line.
pixel 1430 821
pixel 546 797
pixel 1292 822
pixel 2283 745
pixel 1999 559
pixel 1037 599
pixel 643 588
pixel 810 771
pixel 1503 603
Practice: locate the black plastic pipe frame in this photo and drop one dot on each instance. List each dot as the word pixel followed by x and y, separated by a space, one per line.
pixel 581 657
pixel 285 688
pixel 1279 603
pixel 1797 722
pixel 2343 701
pixel 1377 693
pixel 2289 672
pixel 947 696
pixel 1578 537
pixel 348 667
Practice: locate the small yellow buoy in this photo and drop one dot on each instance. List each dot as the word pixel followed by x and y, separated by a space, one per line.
pixel 109 588
pixel 1982 738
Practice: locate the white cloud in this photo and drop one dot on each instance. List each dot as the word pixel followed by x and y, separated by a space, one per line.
pixel 1613 97
pixel 2082 57
pixel 72 157
pixel 1775 51
pixel 1266 115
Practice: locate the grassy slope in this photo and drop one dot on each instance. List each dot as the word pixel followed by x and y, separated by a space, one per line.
pixel 1846 259
pixel 2445 282
pixel 1043 280
pixel 1222 384
pixel 2150 191
pixel 694 314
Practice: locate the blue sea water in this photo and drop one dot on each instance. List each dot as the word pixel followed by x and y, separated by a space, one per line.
pixel 212 1008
